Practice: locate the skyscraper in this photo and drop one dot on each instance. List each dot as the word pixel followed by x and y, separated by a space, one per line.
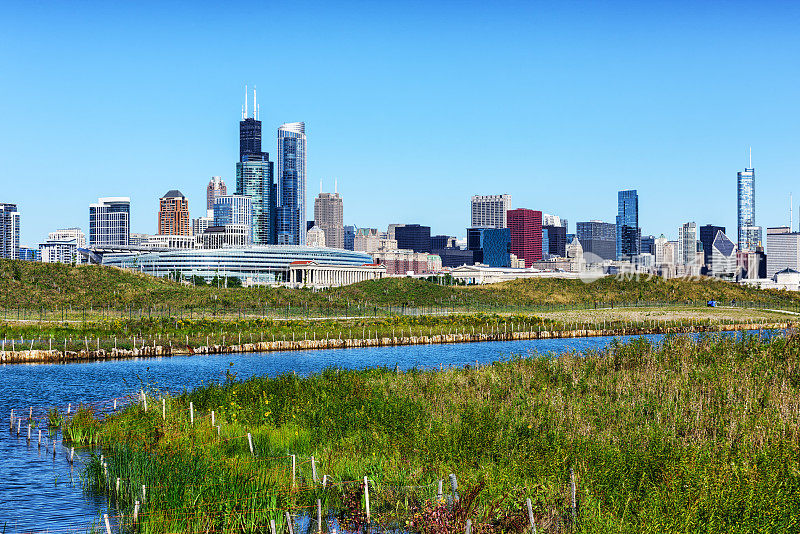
pixel 597 240
pixel 255 176
pixel 329 216
pixel 216 187
pixel 291 184
pixel 749 234
pixel 249 129
pixel 490 246
pixel 234 209
pixel 173 214
pixel 9 231
pixel 109 221
pixel 413 237
pixel 489 211
pixel 687 244
pixel 628 231
pixel 708 233
pixel 526 234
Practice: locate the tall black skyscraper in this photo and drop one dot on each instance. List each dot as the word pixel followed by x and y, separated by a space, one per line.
pixel 255 175
pixel 707 235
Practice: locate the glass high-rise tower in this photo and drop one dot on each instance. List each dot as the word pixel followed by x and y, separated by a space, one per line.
pixel 109 221
pixel 9 231
pixel 628 231
pixel 291 184
pixel 255 176
pixel 749 237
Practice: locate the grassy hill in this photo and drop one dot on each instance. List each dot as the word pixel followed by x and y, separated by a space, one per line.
pixel 34 285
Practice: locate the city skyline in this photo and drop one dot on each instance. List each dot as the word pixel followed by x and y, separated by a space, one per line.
pixel 691 140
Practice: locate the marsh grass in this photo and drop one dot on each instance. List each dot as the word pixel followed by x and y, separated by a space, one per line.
pixel 693 435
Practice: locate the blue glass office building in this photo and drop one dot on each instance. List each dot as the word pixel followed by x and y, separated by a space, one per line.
pixel 255 179
pixel 490 246
pixel 749 235
pixel 291 184
pixel 628 231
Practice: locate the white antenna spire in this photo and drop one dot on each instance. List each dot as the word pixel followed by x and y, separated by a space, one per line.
pixel 336 186
pixel 245 101
pixel 751 158
pixel 255 106
pixel 242 112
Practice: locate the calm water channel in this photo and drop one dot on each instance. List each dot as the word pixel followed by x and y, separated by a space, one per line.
pixel 39 493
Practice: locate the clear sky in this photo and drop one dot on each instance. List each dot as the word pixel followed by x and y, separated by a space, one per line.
pixel 412 106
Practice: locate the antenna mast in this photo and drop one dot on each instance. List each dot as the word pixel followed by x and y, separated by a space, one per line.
pixel 751 158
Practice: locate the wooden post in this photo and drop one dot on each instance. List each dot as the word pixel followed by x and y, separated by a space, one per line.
pixel 366 496
pixel 250 442
pixel 440 493
pixel 71 455
pixel 144 493
pixel 29 433
pixel 313 470
pixel 319 516
pixel 136 512
pixel 164 409
pixel 213 421
pixel 115 405
pixel 289 523
pixel 530 515
pixel 69 408
pixel 108 526
pixel 272 526
pixel 573 493
pixel 117 487
pixel 40 438
pixel 294 467
pixel 191 412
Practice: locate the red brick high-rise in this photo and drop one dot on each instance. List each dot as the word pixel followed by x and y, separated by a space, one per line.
pixel 173 214
pixel 526 234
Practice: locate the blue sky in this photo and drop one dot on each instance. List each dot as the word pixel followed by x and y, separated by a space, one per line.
pixel 412 106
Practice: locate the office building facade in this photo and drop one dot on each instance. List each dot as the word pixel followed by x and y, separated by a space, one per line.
pixel 687 245
pixel 525 231
pixel 255 179
pixel 329 215
pixel 708 232
pixel 216 187
pixel 598 240
pixel 199 224
pixel 721 261
pixel 413 237
pixel 554 238
pixel 749 235
pixel 234 209
pixel 628 233
pixel 109 221
pixel 9 231
pixel 783 250
pixel 173 214
pixel 490 246
pixel 489 211
pixel 291 184
pixel 349 237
